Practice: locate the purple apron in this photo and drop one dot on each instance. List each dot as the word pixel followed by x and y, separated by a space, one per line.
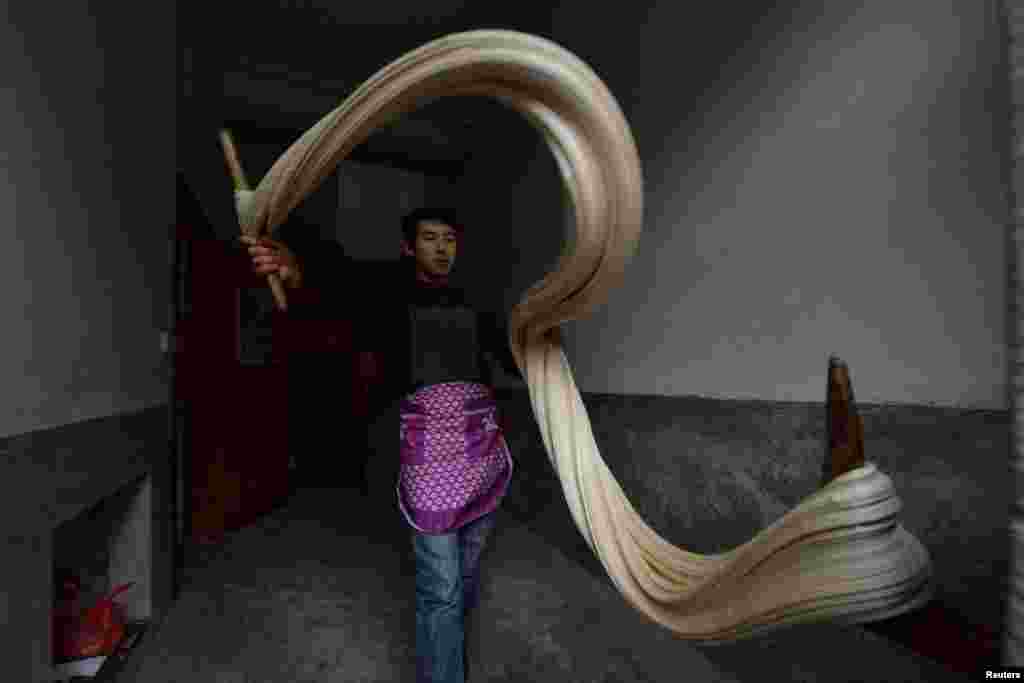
pixel 455 463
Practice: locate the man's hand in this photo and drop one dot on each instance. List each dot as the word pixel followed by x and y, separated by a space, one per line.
pixel 272 256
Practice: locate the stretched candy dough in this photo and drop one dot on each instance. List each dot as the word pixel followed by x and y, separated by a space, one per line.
pixel 840 555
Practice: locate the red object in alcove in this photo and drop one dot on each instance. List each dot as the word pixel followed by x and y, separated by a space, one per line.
pixel 238 413
pixel 91 632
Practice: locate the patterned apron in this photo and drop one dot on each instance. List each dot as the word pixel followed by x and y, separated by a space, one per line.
pixel 455 464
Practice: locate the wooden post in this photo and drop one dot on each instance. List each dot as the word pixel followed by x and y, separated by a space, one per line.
pixel 843 424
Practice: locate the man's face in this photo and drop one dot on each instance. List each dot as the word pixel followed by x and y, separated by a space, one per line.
pixel 435 248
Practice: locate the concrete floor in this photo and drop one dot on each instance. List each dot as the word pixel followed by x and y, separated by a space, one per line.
pixel 322 590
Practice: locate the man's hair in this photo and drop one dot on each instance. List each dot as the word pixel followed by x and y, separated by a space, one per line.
pixel 411 221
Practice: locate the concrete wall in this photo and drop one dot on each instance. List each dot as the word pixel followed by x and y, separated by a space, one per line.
pixel 819 179
pixel 88 114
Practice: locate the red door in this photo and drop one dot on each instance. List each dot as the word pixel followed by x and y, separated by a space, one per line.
pixel 237 406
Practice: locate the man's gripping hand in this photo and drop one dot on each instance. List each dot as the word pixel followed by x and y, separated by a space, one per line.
pixel 272 256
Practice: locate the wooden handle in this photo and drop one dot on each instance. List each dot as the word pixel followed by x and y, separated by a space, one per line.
pixel 843 423
pixel 227 143
pixel 278 289
pixel 231 157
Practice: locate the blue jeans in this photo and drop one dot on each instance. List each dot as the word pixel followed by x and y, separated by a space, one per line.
pixel 447 588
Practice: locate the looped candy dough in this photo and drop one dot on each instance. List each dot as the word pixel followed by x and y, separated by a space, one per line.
pixel 839 555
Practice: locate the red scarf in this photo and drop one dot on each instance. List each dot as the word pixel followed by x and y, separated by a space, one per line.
pixel 432 283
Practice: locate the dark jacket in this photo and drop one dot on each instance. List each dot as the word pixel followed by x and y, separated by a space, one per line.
pixel 376 296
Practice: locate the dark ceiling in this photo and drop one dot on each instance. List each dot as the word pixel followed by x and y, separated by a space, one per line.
pixel 275 70
pixel 271 70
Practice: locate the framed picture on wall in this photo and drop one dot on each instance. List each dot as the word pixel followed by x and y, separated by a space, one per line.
pixel 255 311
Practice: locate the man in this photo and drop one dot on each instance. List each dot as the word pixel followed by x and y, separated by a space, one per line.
pixel 455 466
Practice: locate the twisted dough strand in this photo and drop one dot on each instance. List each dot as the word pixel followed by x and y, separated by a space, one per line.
pixel 839 555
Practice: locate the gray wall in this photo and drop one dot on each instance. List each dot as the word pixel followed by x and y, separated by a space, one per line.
pixel 828 181
pixel 88 114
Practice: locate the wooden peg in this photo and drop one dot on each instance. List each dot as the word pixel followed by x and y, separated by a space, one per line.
pixel 843 424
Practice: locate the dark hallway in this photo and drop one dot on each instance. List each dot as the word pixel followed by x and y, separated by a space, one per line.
pixel 315 593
